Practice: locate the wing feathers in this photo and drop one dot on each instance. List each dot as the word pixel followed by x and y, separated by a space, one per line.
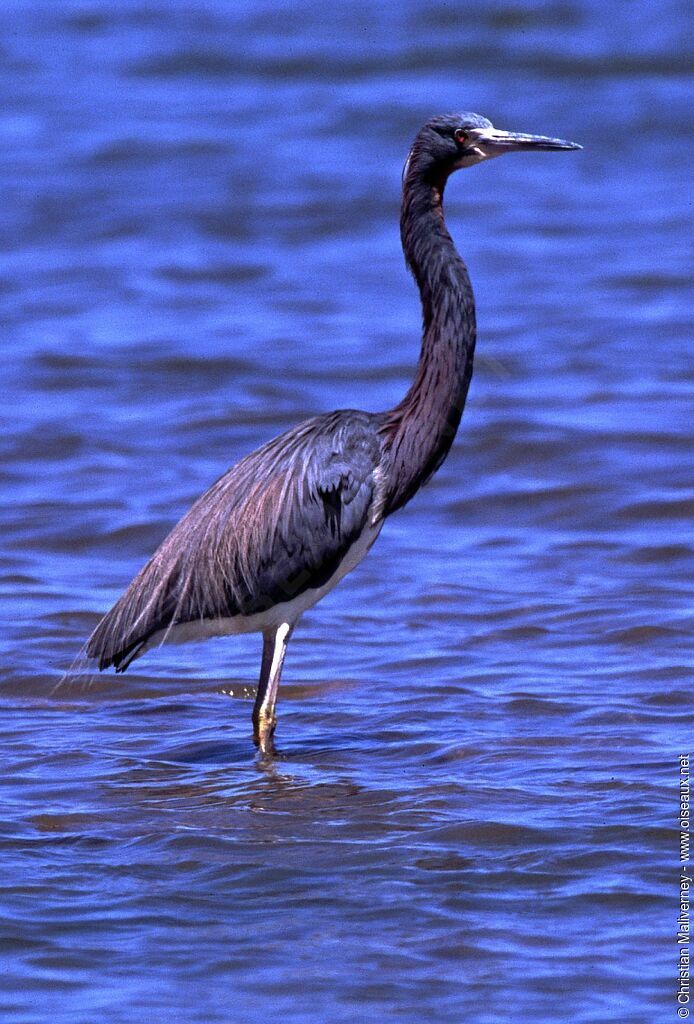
pixel 277 523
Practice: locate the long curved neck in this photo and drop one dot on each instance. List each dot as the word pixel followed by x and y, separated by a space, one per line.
pixel 420 430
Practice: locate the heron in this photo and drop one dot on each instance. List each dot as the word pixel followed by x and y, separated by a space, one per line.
pixel 284 525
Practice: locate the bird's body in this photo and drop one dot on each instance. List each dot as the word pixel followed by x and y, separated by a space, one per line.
pixel 284 525
pixel 262 545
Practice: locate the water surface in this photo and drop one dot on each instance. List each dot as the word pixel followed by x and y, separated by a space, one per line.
pixel 472 814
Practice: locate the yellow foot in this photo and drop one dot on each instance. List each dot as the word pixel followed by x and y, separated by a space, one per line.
pixel 263 733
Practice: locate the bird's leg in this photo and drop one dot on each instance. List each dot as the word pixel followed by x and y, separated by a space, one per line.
pixel 274 649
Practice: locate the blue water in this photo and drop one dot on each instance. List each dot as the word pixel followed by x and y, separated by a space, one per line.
pixel 472 816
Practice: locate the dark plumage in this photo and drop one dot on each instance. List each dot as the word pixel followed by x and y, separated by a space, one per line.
pixel 281 527
pixel 276 524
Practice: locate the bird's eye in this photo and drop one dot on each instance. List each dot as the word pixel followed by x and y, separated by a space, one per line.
pixel 460 135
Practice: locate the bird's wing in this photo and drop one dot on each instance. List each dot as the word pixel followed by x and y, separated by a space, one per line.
pixel 277 523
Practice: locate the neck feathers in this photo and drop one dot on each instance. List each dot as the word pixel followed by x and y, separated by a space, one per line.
pixel 420 430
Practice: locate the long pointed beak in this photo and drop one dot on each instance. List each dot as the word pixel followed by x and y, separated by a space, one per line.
pixel 493 141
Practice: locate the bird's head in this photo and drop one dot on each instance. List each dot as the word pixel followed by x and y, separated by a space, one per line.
pixel 451 141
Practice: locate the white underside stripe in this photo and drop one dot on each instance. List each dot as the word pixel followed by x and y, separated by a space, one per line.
pixel 287 612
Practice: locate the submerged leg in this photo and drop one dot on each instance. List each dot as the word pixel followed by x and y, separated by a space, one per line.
pixel 264 721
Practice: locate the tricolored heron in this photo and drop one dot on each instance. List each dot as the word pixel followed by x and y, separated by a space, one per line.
pixel 282 527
